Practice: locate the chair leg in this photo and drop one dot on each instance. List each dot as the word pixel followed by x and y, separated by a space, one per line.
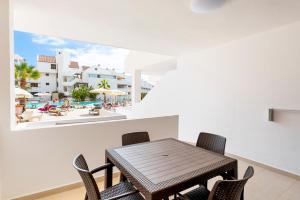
pixel 122 178
pixel 204 183
pixel 225 176
pixel 242 195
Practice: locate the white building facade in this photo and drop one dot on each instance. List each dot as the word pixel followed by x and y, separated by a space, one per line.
pixel 60 74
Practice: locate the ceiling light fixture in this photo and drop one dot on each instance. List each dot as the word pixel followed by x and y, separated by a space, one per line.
pixel 203 6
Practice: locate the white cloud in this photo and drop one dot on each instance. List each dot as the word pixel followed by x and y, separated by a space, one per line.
pixel 18 57
pixel 48 40
pixel 92 55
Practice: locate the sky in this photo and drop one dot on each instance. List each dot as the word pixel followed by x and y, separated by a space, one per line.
pixel 29 45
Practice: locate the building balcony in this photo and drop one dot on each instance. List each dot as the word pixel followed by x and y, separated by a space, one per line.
pixel 72 82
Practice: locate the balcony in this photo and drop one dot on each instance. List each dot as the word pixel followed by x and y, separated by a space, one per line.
pixel 72 82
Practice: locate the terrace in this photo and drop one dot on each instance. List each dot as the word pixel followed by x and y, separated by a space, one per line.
pixel 232 71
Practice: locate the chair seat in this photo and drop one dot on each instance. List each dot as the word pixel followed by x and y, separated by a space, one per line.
pixel 200 193
pixel 120 189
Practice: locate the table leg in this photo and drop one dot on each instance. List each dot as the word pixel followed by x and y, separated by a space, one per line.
pixel 122 178
pixel 233 172
pixel 108 175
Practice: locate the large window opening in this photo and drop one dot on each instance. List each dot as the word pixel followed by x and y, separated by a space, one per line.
pixel 60 81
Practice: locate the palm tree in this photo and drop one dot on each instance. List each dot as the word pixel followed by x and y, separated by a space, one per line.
pixel 24 72
pixel 104 84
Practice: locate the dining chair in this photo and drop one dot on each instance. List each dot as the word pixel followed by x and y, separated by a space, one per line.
pixel 135 138
pixel 123 190
pixel 212 142
pixel 222 189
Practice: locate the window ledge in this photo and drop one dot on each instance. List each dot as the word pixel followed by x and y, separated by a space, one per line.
pixel 67 122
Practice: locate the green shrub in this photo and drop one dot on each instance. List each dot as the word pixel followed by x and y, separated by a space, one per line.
pixel 80 93
pixel 92 96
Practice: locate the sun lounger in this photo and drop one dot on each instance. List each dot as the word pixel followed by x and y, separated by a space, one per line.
pixel 79 107
pixel 46 108
pixel 66 106
pixel 54 111
pixel 29 116
pixel 94 111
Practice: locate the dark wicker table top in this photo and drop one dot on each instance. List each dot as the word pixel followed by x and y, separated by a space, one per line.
pixel 167 165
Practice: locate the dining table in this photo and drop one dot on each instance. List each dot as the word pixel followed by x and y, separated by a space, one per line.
pixel 162 168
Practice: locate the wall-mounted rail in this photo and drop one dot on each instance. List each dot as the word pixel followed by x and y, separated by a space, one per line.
pixel 272 112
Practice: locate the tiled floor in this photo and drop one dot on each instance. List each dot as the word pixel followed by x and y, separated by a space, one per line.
pixel 74 194
pixel 265 185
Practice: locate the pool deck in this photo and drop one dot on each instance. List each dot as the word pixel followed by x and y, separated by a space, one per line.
pixel 68 117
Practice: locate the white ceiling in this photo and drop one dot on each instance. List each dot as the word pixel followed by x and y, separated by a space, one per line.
pixel 158 26
pixel 149 62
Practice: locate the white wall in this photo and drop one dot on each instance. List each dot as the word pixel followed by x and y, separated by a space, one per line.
pixel 5 73
pixel 227 90
pixel 40 159
pixel 45 67
pixel 42 87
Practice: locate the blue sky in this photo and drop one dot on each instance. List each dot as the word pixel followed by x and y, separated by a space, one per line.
pixel 29 45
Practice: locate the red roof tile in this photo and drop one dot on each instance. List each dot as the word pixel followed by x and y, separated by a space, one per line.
pixel 74 64
pixel 48 59
pixel 85 68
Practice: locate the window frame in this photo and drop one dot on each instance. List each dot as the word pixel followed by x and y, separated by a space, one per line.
pixel 53 64
pixel 34 85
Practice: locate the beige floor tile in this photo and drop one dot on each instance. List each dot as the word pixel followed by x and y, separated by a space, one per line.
pixel 244 165
pixel 293 193
pixel 74 194
pixel 265 185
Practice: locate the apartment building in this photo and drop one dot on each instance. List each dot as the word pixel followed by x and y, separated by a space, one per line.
pixel 59 73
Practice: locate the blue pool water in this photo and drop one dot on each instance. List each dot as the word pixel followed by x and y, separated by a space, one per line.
pixel 60 103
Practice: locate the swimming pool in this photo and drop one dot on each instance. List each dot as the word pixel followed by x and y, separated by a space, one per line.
pixel 60 103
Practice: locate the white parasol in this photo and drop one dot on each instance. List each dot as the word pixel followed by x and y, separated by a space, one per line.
pixel 99 91
pixel 43 94
pixel 20 93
